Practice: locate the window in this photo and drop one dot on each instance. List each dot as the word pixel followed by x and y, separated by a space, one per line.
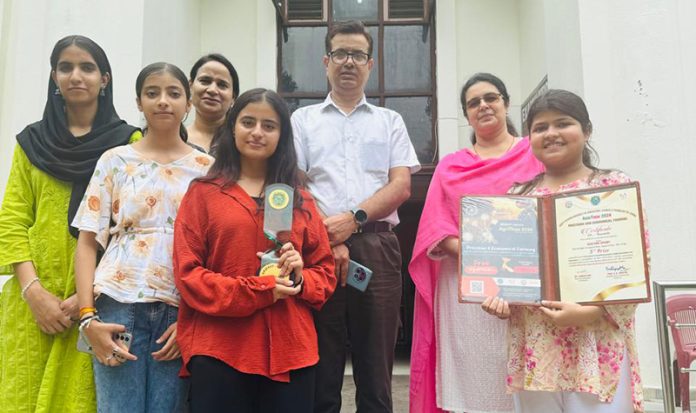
pixel 402 78
pixel 305 10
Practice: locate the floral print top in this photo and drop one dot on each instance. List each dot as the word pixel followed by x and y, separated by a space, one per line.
pixel 545 357
pixel 131 204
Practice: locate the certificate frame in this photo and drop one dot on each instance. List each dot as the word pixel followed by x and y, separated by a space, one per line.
pixel 585 246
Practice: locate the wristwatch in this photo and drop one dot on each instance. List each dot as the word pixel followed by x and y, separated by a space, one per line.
pixel 360 216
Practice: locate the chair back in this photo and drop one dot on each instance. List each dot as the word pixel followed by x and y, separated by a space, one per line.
pixel 682 309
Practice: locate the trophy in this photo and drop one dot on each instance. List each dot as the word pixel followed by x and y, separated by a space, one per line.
pixel 277 225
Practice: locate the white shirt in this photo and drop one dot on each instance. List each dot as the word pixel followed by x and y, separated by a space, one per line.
pixel 347 157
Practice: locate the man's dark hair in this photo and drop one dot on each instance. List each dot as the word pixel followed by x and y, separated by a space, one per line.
pixel 348 27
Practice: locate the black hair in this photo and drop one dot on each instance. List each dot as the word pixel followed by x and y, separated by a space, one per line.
pixel 498 84
pixel 216 57
pixel 163 67
pixel 97 53
pixel 86 44
pixel 570 104
pixel 282 165
pixel 348 27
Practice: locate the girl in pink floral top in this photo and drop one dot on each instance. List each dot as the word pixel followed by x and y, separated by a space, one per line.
pixel 562 356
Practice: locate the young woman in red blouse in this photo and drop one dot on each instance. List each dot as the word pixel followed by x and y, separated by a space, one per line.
pixel 249 342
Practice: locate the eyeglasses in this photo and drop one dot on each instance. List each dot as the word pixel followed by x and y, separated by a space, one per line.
pixel 489 98
pixel 341 56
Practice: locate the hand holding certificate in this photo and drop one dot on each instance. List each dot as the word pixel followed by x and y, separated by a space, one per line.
pixel 582 246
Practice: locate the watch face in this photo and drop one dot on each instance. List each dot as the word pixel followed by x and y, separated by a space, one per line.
pixel 360 216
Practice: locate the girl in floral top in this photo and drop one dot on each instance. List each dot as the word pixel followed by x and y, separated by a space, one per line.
pixel 566 357
pixel 129 211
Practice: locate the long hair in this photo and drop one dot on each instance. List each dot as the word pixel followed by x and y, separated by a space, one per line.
pixel 216 57
pixel 570 104
pixel 281 166
pixel 163 67
pixel 495 81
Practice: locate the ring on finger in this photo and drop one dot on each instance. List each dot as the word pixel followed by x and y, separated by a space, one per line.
pixel 109 357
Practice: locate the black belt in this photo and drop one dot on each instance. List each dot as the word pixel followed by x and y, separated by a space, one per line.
pixel 377 226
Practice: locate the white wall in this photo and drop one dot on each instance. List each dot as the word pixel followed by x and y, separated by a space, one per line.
pixel 243 31
pixel 563 45
pixel 638 66
pixel 6 135
pixel 171 33
pixel 133 33
pixel 447 78
pixel 28 36
pixel 486 41
pixel 532 44
pixel 633 61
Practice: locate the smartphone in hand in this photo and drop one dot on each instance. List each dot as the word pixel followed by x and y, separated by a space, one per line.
pixel 358 275
pixel 83 343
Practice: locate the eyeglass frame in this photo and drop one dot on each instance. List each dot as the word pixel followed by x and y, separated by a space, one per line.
pixel 349 55
pixel 479 99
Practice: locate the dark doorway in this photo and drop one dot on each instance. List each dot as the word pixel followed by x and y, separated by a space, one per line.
pixel 409 215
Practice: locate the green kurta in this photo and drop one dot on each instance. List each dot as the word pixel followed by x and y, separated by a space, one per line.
pixel 39 372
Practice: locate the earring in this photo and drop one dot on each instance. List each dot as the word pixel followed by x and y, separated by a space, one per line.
pixel 57 91
pixel 101 92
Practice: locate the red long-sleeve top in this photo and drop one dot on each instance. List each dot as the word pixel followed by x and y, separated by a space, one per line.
pixel 226 311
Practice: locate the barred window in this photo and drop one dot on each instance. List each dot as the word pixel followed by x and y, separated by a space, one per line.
pixel 403 76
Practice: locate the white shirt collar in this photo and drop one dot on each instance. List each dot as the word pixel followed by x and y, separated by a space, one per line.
pixel 330 102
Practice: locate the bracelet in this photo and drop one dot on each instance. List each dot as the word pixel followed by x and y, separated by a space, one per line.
pixel 299 284
pixel 87 310
pixel 26 287
pixel 84 323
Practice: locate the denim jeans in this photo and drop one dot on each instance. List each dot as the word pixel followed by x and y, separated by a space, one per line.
pixel 144 385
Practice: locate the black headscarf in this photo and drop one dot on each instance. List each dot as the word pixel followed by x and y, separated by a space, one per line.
pixel 51 147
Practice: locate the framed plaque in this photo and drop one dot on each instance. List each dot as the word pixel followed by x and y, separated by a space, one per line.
pixel 584 246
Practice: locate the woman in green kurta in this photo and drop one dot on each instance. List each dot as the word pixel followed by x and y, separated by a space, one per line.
pixel 40 368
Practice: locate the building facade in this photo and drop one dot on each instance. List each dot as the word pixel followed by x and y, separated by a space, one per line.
pixel 632 60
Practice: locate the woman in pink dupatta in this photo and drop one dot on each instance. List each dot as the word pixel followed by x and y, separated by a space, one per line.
pixel 453 367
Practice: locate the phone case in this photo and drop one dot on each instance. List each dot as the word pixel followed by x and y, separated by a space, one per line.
pixel 358 275
pixel 84 346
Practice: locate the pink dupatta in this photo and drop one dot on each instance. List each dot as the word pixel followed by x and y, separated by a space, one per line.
pixel 457 174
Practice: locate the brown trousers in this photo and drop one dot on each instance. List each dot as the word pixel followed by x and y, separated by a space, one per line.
pixel 369 321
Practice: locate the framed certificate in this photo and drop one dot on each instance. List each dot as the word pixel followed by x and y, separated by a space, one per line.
pixel 584 246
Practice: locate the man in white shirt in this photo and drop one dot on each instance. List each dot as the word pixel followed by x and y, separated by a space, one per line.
pixel 358 159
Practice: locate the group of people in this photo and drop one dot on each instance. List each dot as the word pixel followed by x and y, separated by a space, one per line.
pixel 146 245
pixel 560 357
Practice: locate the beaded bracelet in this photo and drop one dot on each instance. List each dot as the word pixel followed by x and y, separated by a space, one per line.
pixel 26 287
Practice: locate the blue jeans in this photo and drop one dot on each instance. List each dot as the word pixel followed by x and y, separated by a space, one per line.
pixel 144 385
